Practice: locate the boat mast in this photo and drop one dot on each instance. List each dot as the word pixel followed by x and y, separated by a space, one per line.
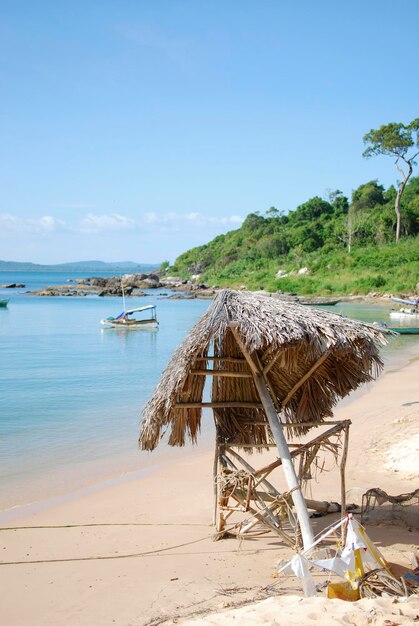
pixel 123 295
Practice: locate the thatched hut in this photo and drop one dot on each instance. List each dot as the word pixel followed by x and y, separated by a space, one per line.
pixel 275 365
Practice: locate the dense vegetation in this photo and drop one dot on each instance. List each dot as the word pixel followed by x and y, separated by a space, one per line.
pixel 328 246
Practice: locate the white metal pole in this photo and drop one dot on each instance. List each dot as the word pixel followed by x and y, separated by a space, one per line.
pixel 287 464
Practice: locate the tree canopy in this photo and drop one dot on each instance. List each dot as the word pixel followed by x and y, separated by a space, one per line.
pixel 319 234
pixel 395 140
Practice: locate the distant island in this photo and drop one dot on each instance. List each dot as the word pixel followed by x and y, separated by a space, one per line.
pixel 79 266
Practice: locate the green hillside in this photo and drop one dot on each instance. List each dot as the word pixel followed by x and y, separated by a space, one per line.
pixel 334 246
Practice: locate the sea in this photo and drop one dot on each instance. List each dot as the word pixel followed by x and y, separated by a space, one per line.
pixel 72 391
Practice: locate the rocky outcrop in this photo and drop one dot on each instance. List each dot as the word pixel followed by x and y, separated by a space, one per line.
pixel 128 285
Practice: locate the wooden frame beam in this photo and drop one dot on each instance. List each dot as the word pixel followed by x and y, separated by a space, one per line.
pixel 218 405
pixel 221 373
pixel 271 363
pixel 296 425
pixel 222 359
pixel 306 376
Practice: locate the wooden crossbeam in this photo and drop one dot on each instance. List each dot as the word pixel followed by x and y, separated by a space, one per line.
pixel 271 363
pixel 222 359
pixel 306 376
pixel 343 425
pixel 217 405
pixel 293 425
pixel 221 373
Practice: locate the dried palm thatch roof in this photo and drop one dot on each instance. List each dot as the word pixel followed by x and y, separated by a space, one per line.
pixel 311 358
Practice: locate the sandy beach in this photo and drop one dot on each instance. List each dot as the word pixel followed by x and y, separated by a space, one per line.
pixel 140 551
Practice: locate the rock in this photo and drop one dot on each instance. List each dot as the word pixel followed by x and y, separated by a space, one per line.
pixel 132 284
pixel 281 274
pixel 12 286
pixel 196 268
pixel 304 270
pixel 148 283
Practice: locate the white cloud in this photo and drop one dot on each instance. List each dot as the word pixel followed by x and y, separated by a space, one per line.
pixel 177 220
pixel 92 223
pixel 48 223
pixel 176 232
pixel 10 223
pixel 45 224
pixel 151 218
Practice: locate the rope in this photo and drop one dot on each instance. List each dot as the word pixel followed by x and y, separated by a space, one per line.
pixel 96 524
pixel 104 558
pixel 156 552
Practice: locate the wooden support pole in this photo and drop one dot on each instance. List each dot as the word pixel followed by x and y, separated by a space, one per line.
pixel 279 437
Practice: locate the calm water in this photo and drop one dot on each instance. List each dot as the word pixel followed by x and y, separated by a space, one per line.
pixel 71 392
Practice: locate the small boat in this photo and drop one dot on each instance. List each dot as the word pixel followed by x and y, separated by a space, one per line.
pixel 405 313
pixel 4 303
pixel 314 302
pixel 411 311
pixel 126 320
pixel 404 330
pixel 400 330
pixel 414 302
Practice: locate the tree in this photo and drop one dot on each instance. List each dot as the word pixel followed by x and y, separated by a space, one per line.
pixel 350 225
pixel 395 140
pixel 272 212
pixel 368 196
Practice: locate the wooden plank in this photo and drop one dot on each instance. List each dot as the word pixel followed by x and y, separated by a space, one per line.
pixel 221 373
pixel 222 359
pixel 217 405
pixel 321 506
pixel 301 448
pixel 250 445
pixel 271 363
pixel 291 425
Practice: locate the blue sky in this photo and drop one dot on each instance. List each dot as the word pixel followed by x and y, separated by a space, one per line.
pixel 134 130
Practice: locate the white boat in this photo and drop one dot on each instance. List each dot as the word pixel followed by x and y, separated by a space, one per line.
pixel 405 314
pixel 127 320
pixel 409 312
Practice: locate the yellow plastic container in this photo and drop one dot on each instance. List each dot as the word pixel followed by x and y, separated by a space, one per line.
pixel 342 591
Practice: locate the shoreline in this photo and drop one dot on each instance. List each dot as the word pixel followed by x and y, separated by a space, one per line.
pixel 152 462
pixel 140 551
pixel 151 465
